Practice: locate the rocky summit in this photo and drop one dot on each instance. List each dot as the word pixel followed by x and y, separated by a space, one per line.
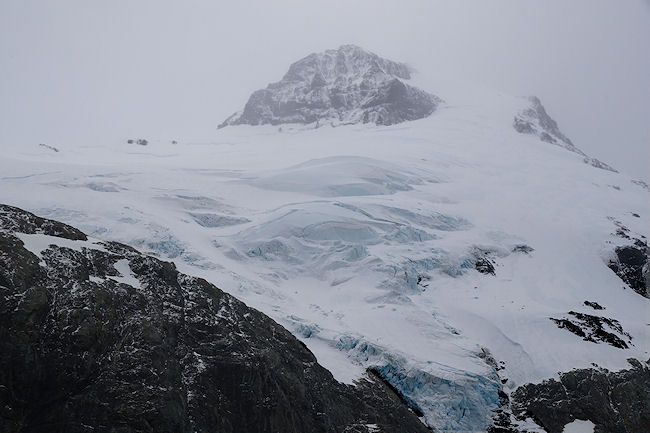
pixel 535 120
pixel 95 336
pixel 342 86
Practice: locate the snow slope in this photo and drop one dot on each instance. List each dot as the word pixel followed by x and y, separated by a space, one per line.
pixel 363 240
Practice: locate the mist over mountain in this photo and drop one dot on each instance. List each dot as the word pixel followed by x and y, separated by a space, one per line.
pixel 386 259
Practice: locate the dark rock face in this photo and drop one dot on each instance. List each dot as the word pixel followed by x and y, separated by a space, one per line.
pixel 484 266
pixel 17 220
pixel 631 262
pixel 347 85
pixel 631 265
pixel 616 402
pixel 595 329
pixel 502 423
pixel 484 262
pixel 535 120
pixel 594 305
pixel 140 141
pixel 102 338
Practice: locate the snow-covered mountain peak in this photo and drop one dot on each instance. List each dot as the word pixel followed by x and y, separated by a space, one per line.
pixel 346 61
pixel 346 85
pixel 535 120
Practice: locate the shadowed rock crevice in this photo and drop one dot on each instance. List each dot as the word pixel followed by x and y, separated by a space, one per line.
pixel 631 262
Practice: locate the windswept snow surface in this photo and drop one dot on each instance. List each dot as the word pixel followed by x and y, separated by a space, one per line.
pixel 362 240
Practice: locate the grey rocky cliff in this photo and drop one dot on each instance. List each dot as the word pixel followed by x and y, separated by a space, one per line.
pixel 346 85
pixel 632 264
pixel 98 337
pixel 614 401
pixel 535 120
pixel 631 261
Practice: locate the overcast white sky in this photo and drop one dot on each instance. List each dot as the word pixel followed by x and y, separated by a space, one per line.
pixel 83 70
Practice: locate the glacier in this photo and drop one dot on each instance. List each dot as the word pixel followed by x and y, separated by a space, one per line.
pixel 363 240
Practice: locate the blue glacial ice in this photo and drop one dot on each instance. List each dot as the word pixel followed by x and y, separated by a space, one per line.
pixel 449 399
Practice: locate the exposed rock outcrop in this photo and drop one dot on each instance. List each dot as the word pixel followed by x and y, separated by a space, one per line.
pixel 615 401
pixel 13 219
pixel 98 337
pixel 484 266
pixel 536 121
pixel 346 85
pixel 631 262
pixel 594 305
pixel 631 265
pixel 596 329
pixel 47 146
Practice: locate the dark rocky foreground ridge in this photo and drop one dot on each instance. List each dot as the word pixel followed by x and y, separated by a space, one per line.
pixel 346 85
pixel 86 347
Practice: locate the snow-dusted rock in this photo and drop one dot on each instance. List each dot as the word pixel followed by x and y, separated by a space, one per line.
pixel 615 401
pixel 631 263
pixel 535 120
pixel 595 329
pixel 347 85
pixel 631 260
